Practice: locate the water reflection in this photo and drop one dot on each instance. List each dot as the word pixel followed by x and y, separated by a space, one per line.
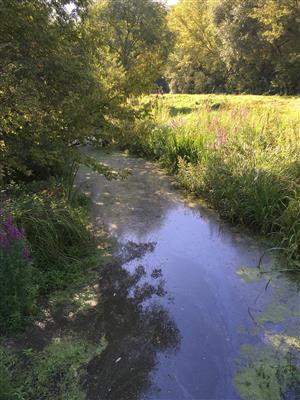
pixel 120 310
pixel 136 329
pixel 218 307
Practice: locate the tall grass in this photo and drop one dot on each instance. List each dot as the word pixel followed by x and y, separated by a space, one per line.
pixel 242 153
pixel 58 236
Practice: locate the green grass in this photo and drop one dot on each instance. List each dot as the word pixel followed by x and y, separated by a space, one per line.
pixel 64 257
pixel 240 152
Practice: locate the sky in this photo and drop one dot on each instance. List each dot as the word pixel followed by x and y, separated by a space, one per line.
pixel 169 2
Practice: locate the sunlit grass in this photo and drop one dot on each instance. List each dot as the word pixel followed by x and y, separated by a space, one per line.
pixel 241 152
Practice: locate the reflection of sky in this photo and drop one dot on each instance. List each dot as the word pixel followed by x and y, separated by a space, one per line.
pixel 201 260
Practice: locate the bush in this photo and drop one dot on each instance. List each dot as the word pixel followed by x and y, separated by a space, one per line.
pixel 17 290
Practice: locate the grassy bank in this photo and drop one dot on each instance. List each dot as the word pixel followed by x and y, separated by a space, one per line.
pixel 49 259
pixel 241 153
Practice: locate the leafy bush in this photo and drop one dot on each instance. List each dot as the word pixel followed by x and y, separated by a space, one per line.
pixel 17 290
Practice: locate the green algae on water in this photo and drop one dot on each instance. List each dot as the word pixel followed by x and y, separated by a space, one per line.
pixel 249 275
pixel 266 374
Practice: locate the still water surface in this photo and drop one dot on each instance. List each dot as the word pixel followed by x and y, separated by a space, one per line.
pixel 213 293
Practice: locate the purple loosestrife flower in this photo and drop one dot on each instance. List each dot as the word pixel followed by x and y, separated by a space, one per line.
pixel 11 230
pixel 11 234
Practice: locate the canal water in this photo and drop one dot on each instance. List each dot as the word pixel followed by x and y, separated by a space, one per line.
pixel 219 326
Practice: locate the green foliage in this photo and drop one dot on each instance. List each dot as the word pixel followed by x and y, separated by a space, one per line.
pixel 53 373
pixel 8 389
pixel 242 155
pixel 57 88
pixel 218 43
pixel 195 65
pixel 136 35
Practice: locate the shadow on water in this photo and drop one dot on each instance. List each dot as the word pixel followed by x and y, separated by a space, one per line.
pixel 137 329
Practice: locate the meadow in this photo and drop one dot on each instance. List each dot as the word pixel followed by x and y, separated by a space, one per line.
pixel 239 152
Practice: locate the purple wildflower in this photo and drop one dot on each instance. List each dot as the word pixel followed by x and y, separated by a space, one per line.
pixel 11 234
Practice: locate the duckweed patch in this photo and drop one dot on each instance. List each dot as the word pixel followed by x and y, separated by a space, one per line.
pixel 265 374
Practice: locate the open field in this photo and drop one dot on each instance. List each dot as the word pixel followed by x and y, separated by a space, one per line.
pixel 179 104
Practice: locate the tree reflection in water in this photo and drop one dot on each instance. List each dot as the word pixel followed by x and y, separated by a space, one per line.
pixel 136 327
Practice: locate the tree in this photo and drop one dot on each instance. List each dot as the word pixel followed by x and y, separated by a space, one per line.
pixel 137 37
pixel 281 31
pixel 195 65
pixel 260 43
pixel 235 45
pixel 53 86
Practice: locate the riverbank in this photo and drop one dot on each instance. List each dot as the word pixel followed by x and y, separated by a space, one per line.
pixel 240 153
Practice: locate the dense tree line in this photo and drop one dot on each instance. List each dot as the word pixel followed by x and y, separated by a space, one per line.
pixel 235 46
